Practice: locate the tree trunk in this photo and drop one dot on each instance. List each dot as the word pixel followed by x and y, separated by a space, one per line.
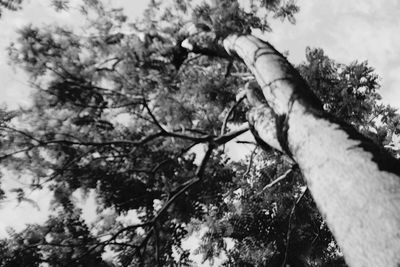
pixel 354 183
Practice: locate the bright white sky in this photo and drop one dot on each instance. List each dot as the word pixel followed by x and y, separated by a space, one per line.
pixel 346 30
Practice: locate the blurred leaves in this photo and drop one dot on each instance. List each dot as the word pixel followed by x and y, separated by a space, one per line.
pixel 127 114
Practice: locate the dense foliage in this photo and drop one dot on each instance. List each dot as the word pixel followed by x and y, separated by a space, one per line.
pixel 143 123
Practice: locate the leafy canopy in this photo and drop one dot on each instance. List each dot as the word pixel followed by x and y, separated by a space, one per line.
pixel 132 116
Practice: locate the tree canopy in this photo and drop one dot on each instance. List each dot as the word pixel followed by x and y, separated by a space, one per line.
pixel 126 111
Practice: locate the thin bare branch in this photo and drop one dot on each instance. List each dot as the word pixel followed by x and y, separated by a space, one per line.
pixel 290 225
pixel 246 142
pixel 152 116
pixel 4 156
pixel 21 132
pixel 106 143
pixel 277 180
pixel 229 114
pixel 114 65
pixel 250 162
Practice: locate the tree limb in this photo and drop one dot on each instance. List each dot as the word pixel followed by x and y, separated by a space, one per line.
pixel 277 180
pixel 354 182
pixel 229 114
pixel 250 162
pixel 290 225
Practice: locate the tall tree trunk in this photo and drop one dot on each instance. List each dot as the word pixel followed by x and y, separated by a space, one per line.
pixel 355 184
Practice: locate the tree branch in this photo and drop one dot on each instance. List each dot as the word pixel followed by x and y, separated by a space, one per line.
pixel 290 225
pixel 4 156
pixel 229 114
pixel 144 140
pixel 250 162
pixel 183 188
pixel 20 132
pixel 231 135
pixel 153 117
pixel 277 180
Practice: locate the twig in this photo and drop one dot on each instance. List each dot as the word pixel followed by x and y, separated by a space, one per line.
pixel 201 139
pixel 117 61
pixel 246 142
pixel 4 156
pixel 144 245
pixel 228 69
pixel 106 143
pixel 187 61
pixel 21 132
pixel 152 116
pixel 106 243
pixel 290 223
pixel 250 163
pixel 277 180
pixel 229 114
pixel 65 166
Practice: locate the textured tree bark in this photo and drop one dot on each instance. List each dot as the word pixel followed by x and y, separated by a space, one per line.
pixel 354 183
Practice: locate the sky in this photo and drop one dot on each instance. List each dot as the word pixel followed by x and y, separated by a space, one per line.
pixel 346 30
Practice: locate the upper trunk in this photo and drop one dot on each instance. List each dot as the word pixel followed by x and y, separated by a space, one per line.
pixel 355 184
